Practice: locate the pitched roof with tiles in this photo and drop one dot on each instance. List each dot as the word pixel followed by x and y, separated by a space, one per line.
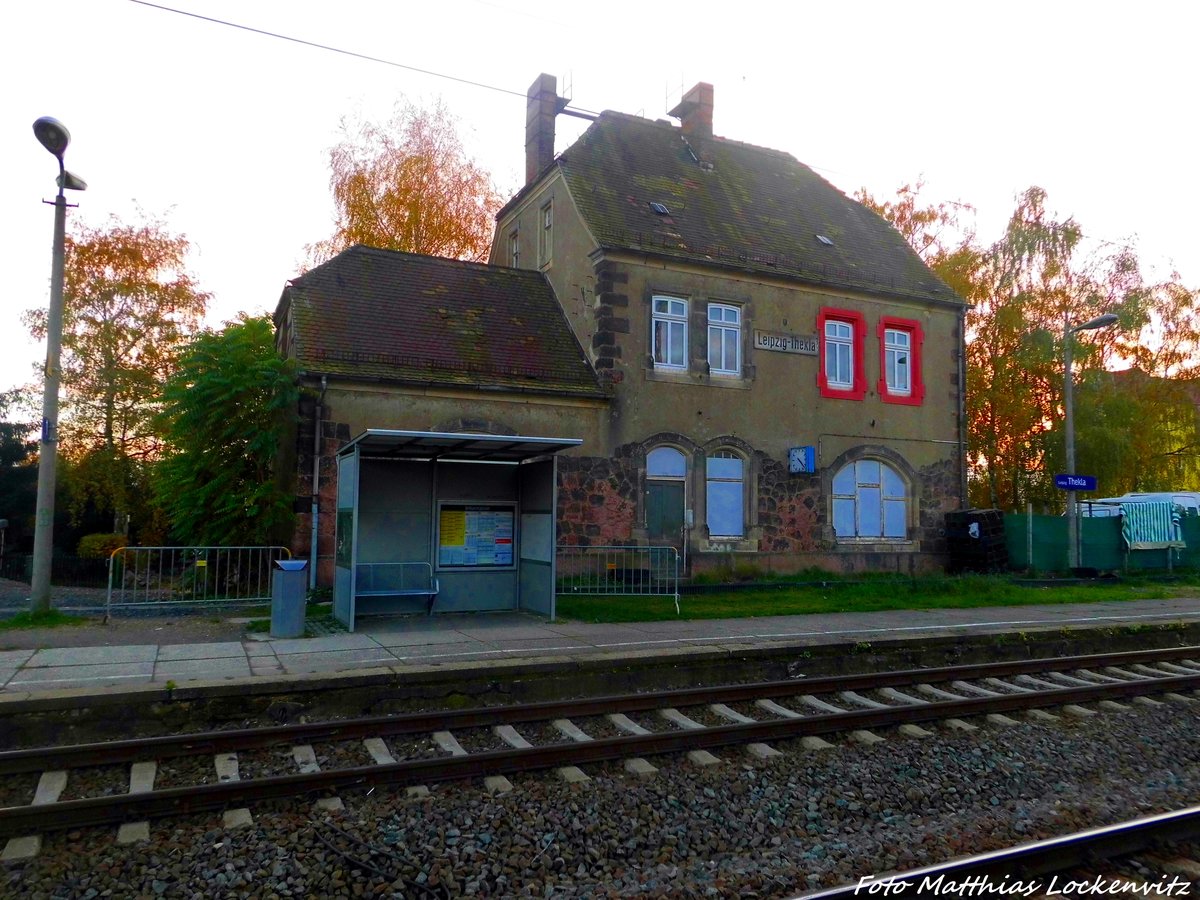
pixel 403 317
pixel 736 205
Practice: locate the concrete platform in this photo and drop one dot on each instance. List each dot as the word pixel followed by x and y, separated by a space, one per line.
pixel 407 644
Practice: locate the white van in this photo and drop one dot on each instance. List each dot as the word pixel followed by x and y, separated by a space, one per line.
pixel 1188 501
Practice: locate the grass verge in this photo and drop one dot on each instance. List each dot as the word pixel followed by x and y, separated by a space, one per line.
pixel 878 594
pixel 50 619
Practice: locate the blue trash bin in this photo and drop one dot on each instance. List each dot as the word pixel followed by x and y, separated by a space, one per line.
pixel 289 581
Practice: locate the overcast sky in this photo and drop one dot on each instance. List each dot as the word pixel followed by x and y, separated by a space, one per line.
pixel 226 133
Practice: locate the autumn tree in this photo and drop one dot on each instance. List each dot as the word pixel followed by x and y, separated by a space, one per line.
pixel 1136 413
pixel 225 411
pixel 130 304
pixel 408 184
pixel 942 234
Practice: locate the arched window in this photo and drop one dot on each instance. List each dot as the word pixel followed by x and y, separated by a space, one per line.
pixel 870 501
pixel 725 498
pixel 665 462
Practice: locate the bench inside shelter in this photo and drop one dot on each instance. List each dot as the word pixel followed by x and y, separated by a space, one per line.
pixel 397 579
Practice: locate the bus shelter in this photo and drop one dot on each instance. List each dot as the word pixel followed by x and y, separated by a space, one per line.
pixel 441 522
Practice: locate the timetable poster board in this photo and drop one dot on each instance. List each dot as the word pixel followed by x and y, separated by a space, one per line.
pixel 475 536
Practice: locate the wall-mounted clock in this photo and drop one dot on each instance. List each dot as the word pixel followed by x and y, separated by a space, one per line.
pixel 802 460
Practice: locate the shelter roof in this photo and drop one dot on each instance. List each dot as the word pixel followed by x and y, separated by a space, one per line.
pixel 430 445
pixel 404 317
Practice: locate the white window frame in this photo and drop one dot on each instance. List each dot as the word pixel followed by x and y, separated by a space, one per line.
pixel 839 337
pixel 670 315
pixel 889 500
pixel 514 248
pixel 710 480
pixel 893 350
pixel 727 325
pixel 546 233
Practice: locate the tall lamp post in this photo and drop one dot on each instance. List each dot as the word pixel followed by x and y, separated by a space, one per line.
pixel 1069 415
pixel 54 136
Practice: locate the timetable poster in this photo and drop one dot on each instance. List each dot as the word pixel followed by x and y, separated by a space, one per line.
pixel 475 536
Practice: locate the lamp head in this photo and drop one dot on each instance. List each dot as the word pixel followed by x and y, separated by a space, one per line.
pixel 53 135
pixel 70 181
pixel 1099 322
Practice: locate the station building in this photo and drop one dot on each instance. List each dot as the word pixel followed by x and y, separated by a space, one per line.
pixel 758 367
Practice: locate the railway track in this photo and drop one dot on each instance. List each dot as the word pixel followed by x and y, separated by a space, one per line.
pixel 694 721
pixel 1087 862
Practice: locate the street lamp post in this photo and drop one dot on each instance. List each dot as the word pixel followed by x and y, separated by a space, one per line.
pixel 1069 425
pixel 54 136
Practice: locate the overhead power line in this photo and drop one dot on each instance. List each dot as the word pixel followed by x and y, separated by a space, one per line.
pixel 331 49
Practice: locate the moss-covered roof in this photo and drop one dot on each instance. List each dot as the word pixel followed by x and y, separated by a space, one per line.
pixel 733 204
pixel 371 313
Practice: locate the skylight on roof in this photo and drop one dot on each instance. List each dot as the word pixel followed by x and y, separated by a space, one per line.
pixel 659 208
pixel 824 240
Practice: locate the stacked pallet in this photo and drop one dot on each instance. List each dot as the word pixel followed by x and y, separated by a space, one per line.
pixel 975 540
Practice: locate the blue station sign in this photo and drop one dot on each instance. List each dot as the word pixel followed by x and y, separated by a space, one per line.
pixel 1075 482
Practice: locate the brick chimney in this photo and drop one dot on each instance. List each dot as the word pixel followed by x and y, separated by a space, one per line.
pixel 542 105
pixel 695 111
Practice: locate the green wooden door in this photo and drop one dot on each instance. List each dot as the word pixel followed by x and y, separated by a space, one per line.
pixel 664 512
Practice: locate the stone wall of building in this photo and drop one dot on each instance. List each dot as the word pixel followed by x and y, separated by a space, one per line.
pixel 940 489
pixel 789 509
pixel 597 501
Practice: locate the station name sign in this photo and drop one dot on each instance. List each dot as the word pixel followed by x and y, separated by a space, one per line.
pixel 1075 482
pixel 786 343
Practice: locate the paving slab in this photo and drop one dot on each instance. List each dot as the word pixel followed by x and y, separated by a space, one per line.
pixel 194 669
pixel 81 676
pixel 335 660
pixel 450 659
pixel 417 638
pixel 357 641
pixel 225 649
pixel 455 650
pixel 5 675
pixel 607 631
pixel 501 619
pixel 11 659
pixel 520 633
pixel 85 656
pixel 545 644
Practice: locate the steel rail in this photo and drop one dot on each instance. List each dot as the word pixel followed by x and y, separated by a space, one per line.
pixel 1030 861
pixel 177 801
pixel 170 746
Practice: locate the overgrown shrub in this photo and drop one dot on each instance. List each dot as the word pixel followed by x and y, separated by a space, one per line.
pixel 100 546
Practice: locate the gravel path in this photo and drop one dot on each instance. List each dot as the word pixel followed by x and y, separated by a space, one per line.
pixel 197 628
pixel 742 828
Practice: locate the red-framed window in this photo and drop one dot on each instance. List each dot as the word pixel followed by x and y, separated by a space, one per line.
pixel 900 351
pixel 842 333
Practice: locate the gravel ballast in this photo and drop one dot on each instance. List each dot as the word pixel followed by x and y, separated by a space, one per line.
pixel 743 828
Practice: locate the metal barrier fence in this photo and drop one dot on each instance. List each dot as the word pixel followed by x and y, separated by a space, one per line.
pixel 626 571
pixel 147 578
